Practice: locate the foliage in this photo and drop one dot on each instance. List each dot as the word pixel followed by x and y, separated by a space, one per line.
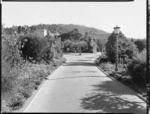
pixel 137 68
pixel 24 53
pixel 36 47
pixel 141 44
pixel 10 52
pixel 16 101
pixel 109 67
pixel 67 45
pixel 73 35
pixel 31 47
pixel 11 60
pixel 100 45
pixel 126 48
pixel 75 41
pixel 64 28
pixel 101 42
pixel 84 46
pixel 67 32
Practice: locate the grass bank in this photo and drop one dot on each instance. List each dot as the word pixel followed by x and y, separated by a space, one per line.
pixel 27 80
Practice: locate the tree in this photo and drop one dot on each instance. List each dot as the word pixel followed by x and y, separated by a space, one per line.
pixel 83 45
pixel 65 36
pixel 137 68
pixel 141 44
pixel 125 47
pixel 67 45
pixel 100 45
pixel 90 46
pixel 75 35
pixel 35 47
pixel 75 47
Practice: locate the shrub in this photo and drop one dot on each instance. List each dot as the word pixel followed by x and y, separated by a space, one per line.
pixel 137 68
pixel 36 87
pixel 9 77
pixel 67 45
pixel 107 66
pixel 10 51
pixel 25 82
pixel 16 101
pixel 4 107
pixel 63 60
pixel 11 61
pixel 38 48
pixel 103 59
pixel 27 93
pixel 19 77
pixel 141 44
pixel 57 62
pixel 6 80
pixel 37 82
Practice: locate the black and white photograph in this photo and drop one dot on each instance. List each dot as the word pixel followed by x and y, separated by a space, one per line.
pixel 87 57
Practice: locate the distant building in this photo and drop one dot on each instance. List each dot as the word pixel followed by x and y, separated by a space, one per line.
pixel 45 32
pixel 48 32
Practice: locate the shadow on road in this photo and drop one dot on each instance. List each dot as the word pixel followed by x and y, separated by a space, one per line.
pixel 84 71
pixel 107 98
pixel 79 64
pixel 90 57
pixel 82 60
pixel 75 77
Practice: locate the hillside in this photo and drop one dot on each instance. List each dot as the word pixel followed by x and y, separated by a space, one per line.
pixel 63 28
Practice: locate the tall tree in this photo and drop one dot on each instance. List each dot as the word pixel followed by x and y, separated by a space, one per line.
pixel 126 48
pixel 141 44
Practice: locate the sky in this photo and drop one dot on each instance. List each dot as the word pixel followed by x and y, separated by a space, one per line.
pixel 129 16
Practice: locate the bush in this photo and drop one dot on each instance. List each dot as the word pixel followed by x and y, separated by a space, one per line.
pixel 137 68
pixel 56 63
pixel 63 60
pixel 4 107
pixel 11 61
pixel 107 66
pixel 27 90
pixel 16 101
pixel 32 46
pixel 9 77
pixel 21 77
pixel 37 82
pixel 38 48
pixel 67 45
pixel 141 44
pixel 27 93
pixel 103 59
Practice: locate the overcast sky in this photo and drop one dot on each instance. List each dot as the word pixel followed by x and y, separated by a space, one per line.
pixel 130 16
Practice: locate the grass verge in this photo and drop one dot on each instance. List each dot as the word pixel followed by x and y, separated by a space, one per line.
pixel 30 76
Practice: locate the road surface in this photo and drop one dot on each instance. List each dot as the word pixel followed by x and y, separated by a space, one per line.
pixel 79 86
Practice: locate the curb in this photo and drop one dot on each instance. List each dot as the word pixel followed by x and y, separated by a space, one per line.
pixel 121 84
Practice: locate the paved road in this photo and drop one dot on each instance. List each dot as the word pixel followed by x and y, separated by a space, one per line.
pixel 79 86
